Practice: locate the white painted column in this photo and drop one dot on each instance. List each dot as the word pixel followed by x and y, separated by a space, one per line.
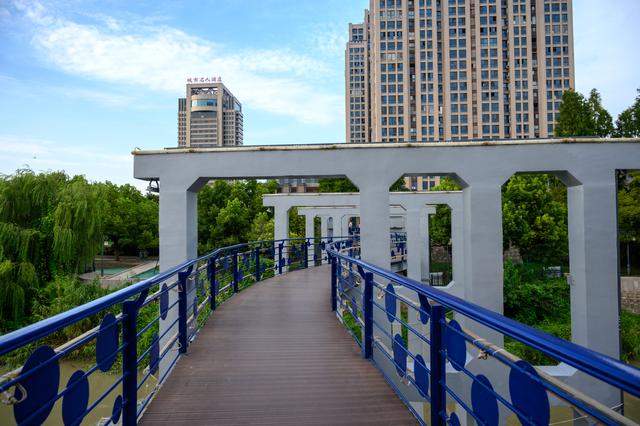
pixel 425 249
pixel 178 232
pixel 280 232
pixel 594 281
pixel 375 223
pixel 457 249
pixel 344 222
pixel 483 248
pixel 310 235
pixel 414 242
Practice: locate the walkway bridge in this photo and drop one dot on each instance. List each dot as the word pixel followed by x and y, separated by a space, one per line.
pixel 258 333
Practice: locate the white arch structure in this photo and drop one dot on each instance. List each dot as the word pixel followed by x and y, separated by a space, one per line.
pixel 587 166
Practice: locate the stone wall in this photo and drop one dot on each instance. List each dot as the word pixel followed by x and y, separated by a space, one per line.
pixel 630 294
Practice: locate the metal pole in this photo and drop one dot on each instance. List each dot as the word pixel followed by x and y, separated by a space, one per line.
pixel 129 364
pixel 628 261
pixel 367 309
pixel 213 286
pixel 235 272
pixel 257 262
pixel 280 258
pixel 334 277
pixel 438 364
pixel 182 310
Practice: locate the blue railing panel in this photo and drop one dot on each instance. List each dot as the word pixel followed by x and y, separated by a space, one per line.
pixel 419 355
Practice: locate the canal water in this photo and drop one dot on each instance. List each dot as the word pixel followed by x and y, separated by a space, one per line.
pixel 99 382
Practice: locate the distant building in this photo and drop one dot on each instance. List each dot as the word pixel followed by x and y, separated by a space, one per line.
pixel 209 115
pixel 297 185
pixel 440 70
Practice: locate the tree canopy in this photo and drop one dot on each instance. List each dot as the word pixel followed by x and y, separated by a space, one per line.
pixel 579 116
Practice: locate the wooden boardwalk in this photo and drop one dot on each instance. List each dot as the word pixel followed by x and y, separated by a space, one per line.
pixel 275 354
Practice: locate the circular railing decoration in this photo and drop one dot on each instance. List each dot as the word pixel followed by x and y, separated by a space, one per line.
pixel 400 355
pixel 425 308
pixel 75 399
pixel 528 395
pixel 390 302
pixel 116 410
pixel 40 387
pixel 454 420
pixel 107 342
pixel 483 400
pixel 154 356
pixel 164 301
pixel 421 375
pixel 456 345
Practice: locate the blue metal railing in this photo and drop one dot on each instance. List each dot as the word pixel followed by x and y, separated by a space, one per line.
pixel 143 330
pixel 417 356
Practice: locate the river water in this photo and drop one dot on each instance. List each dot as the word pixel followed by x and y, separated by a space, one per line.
pixel 99 382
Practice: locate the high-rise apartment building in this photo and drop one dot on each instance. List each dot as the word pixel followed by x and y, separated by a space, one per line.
pixel 209 115
pixel 436 70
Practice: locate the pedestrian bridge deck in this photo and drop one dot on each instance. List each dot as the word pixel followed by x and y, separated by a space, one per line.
pixel 276 354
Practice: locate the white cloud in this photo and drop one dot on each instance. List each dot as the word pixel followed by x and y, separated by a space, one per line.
pixel 45 155
pixel 160 58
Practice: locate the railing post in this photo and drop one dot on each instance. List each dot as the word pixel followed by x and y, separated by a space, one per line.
pixel 438 364
pixel 211 272
pixel 183 338
pixel 256 257
pixel 280 246
pixel 129 364
pixel 367 310
pixel 334 282
pixel 306 253
pixel 235 271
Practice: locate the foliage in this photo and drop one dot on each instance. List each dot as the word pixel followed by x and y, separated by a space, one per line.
pixel 336 185
pixel 628 122
pixel 534 217
pixel 130 219
pixel 49 224
pixel 602 121
pixel 542 302
pixel 232 212
pixel 583 117
pixel 629 209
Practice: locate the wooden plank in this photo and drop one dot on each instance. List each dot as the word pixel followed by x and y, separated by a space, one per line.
pixel 275 354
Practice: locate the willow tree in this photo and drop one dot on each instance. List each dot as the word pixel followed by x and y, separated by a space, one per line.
pixel 48 224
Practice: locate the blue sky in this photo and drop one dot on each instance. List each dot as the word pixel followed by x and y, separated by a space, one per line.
pixel 83 83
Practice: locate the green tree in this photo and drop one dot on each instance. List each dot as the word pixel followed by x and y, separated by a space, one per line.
pixel 49 224
pixel 534 219
pixel 336 185
pixel 628 122
pixel 629 209
pixel 603 123
pixel 575 117
pixel 130 219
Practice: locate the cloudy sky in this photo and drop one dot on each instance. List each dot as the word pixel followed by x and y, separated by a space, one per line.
pixel 82 83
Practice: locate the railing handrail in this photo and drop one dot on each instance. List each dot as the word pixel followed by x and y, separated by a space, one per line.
pixel 598 365
pixel 30 333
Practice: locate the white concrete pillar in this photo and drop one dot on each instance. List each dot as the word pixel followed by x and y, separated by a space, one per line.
pixel 281 232
pixel 457 249
pixel 483 248
pixel 594 281
pixel 344 222
pixel 375 223
pixel 417 227
pixel 310 235
pixel 178 232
